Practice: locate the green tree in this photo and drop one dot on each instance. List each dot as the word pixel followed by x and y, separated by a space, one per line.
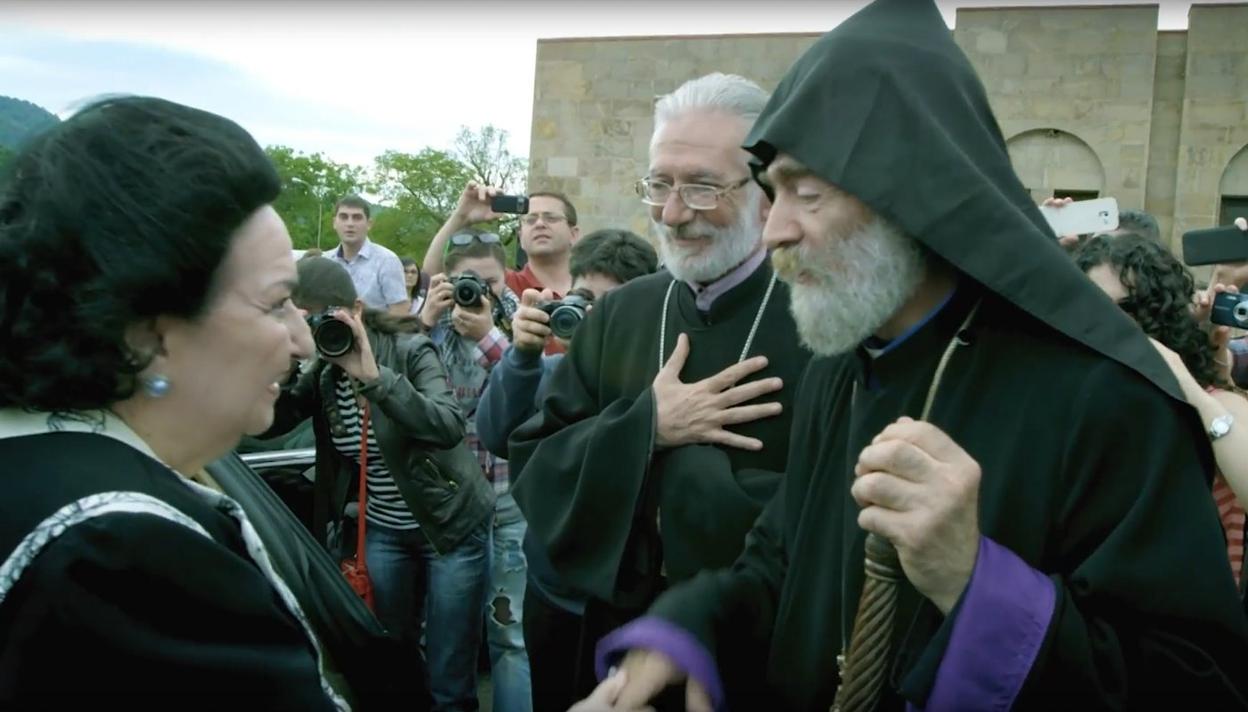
pixel 420 190
pixel 310 185
pixel 485 153
pixel 398 230
pixel 5 156
pixel 21 120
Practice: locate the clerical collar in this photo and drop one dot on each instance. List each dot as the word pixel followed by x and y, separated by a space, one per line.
pixel 705 295
pixel 882 363
pixel 876 347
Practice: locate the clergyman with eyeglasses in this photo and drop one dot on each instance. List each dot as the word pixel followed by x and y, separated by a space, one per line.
pixel 665 427
pixel 547 232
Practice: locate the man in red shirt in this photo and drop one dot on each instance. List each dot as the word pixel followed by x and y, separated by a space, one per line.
pixel 547 232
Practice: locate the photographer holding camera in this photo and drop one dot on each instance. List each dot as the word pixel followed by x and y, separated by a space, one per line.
pixel 1225 277
pixel 427 509
pixel 548 229
pixel 468 313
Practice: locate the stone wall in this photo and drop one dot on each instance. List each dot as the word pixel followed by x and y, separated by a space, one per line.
pixel 1082 71
pixel 1163 145
pixel 1091 98
pixel 593 106
pixel 1215 110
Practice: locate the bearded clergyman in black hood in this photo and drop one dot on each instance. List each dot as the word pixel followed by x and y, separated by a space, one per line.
pixel 1052 514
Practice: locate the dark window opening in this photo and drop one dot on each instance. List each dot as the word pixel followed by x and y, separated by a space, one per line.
pixel 1233 206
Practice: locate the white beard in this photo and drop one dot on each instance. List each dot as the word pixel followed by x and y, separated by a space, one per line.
pixel 854 284
pixel 729 246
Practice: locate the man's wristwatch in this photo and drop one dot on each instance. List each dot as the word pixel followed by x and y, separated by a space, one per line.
pixel 1220 426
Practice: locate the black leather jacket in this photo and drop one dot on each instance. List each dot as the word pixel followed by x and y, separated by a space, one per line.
pixel 419 429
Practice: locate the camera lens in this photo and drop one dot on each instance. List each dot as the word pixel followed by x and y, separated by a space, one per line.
pixel 1240 312
pixel 333 338
pixel 564 320
pixel 467 292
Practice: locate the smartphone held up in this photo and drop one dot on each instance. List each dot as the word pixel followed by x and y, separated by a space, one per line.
pixel 1215 245
pixel 511 204
pixel 1085 217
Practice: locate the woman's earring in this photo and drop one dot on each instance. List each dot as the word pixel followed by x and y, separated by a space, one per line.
pixel 156 386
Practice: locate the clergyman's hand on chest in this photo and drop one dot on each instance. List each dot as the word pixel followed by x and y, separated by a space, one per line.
pixel 699 412
pixel 920 490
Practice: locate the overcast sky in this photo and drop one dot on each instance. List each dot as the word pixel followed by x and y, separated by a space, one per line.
pixel 352 79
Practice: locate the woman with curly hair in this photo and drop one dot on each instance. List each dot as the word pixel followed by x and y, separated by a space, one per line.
pixel 1157 291
pixel 146 322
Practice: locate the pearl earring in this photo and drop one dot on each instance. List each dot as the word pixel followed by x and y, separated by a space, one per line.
pixel 156 386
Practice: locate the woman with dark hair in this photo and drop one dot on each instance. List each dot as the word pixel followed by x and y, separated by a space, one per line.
pixel 1157 291
pixel 427 509
pixel 417 284
pixel 126 572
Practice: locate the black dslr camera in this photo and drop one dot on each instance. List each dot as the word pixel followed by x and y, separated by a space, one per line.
pixel 469 288
pixel 1230 310
pixel 333 338
pixel 566 314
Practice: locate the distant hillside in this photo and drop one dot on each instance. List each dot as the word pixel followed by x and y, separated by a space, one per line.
pixel 19 120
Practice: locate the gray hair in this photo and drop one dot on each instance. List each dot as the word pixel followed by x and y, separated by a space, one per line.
pixel 727 93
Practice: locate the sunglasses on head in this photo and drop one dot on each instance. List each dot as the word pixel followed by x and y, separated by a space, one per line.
pixel 463 239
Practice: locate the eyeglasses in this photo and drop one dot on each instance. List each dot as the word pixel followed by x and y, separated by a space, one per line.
pixel 548 218
pixel 697 196
pixel 463 239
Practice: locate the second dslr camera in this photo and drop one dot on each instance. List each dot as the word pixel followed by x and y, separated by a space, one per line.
pixel 469 288
pixel 565 314
pixel 333 338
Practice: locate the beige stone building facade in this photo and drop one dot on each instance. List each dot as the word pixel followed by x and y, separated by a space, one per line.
pixel 1093 101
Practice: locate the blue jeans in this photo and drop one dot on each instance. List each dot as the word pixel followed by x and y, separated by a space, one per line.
pixel 509 662
pixel 413 584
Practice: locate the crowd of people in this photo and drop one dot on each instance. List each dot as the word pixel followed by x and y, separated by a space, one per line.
pixel 668 473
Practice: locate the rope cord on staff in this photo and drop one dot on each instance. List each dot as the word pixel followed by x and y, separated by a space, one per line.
pixel 865 666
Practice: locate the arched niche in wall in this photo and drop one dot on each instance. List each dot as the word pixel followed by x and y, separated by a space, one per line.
pixel 1056 162
pixel 1233 189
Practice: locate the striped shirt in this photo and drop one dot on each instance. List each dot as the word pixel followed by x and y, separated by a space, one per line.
pixel 1231 512
pixel 385 505
pixel 1232 515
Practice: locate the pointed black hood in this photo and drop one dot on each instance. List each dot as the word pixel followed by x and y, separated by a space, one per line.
pixel 889 109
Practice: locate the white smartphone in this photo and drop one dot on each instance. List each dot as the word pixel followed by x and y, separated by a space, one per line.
pixel 1084 217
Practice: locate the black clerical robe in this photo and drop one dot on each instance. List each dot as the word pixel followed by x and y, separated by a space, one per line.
pixel 1101 580
pixel 613 511
pixel 124 585
pixel 1094 500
